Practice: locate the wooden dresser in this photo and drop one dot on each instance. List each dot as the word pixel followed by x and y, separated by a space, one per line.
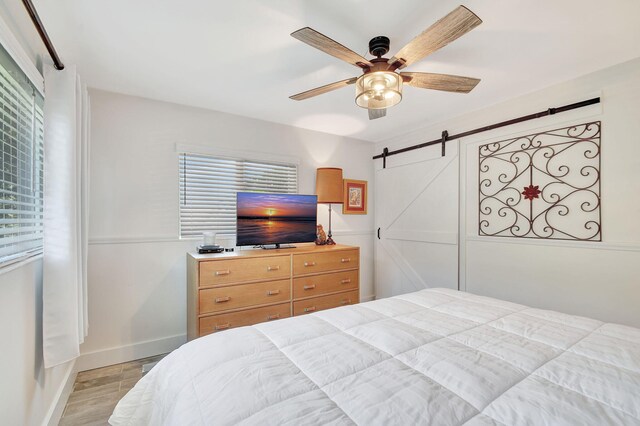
pixel 246 287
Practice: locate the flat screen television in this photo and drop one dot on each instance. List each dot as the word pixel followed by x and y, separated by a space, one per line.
pixel 275 219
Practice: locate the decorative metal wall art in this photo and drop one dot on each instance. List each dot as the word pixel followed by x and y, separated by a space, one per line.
pixel 545 185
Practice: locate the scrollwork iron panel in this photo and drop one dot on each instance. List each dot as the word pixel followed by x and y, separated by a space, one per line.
pixel 545 185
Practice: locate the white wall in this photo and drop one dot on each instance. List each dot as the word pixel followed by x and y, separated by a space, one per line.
pixel 28 392
pixel 600 280
pixel 137 276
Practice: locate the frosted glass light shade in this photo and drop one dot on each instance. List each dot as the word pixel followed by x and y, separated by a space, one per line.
pixel 329 185
pixel 378 90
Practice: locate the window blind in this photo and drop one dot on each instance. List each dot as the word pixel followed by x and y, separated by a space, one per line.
pixel 22 155
pixel 208 187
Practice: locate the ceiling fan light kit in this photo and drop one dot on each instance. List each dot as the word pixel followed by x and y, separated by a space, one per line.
pixel 380 85
pixel 379 90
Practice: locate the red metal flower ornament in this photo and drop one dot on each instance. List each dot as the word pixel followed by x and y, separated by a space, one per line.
pixel 530 192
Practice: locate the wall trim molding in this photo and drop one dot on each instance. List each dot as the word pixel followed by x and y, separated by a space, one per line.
pixel 593 245
pixel 354 233
pixel 117 355
pixel 54 414
pixel 145 239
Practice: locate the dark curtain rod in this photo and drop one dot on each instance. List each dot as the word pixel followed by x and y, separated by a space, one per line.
pixel 33 13
pixel 446 137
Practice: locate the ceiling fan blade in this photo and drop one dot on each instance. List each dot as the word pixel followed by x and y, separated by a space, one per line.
pixel 456 24
pixel 377 113
pixel 323 89
pixel 444 82
pixel 330 46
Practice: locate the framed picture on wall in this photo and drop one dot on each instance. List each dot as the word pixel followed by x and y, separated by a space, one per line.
pixel 355 197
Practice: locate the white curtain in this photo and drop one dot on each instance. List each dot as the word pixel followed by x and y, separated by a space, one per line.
pixel 66 180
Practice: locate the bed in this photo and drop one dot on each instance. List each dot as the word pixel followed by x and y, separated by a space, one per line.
pixel 435 356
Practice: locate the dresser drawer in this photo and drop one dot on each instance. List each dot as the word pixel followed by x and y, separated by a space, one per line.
pixel 243 295
pixel 325 302
pixel 309 263
pixel 229 271
pixel 221 322
pixel 317 285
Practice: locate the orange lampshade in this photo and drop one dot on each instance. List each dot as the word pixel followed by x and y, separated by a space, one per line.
pixel 329 185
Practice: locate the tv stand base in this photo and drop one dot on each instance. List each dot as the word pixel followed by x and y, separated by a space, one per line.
pixel 278 246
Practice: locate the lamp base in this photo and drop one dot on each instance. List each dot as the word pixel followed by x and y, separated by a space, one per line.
pixel 330 242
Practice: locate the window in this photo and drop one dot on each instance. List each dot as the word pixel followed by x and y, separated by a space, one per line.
pixel 208 187
pixel 22 155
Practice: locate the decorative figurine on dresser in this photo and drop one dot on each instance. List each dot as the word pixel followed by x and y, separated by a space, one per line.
pixel 322 236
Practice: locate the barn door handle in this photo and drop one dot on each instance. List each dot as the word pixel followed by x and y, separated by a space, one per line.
pixel 378 233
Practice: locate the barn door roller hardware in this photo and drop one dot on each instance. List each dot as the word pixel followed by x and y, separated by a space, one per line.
pixel 35 18
pixel 446 137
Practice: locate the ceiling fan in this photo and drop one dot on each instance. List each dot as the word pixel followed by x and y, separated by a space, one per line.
pixel 380 85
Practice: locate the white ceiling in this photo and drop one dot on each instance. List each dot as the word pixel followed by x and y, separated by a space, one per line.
pixel 238 57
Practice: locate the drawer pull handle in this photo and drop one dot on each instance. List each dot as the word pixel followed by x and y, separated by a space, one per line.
pixel 225 272
pixel 345 260
pixel 222 299
pixel 310 309
pixel 346 301
pixel 273 317
pixel 222 326
pixel 273 268
pixel 309 287
pixel 273 292
pixel 347 281
pixel 309 263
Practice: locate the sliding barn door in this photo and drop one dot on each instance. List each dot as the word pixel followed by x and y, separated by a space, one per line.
pixel 416 211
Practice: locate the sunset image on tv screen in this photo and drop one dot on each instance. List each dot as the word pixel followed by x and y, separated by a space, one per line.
pixel 275 218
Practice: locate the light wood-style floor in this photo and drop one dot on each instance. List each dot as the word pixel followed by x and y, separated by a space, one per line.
pixel 96 392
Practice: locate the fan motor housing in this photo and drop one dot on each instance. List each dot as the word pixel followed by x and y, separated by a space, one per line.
pixel 379 46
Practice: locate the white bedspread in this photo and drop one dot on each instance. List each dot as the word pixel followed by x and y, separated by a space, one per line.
pixel 436 357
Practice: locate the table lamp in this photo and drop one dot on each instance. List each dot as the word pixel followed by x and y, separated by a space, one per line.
pixel 329 190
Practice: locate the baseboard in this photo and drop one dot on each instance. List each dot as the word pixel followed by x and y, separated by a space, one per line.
pixel 54 414
pixel 97 359
pixel 368 298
